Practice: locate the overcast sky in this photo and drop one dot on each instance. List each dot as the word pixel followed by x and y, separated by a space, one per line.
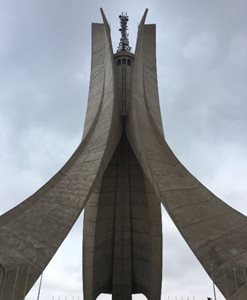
pixel 44 75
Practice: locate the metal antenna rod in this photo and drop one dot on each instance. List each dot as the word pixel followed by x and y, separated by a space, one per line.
pixel 214 291
pixel 40 283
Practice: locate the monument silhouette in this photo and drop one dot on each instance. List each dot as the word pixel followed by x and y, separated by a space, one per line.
pixel 120 173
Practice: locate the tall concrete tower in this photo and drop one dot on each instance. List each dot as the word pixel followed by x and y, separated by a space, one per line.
pixel 120 173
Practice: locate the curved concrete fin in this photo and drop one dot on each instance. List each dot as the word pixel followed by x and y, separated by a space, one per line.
pixel 101 42
pixel 215 232
pixel 96 77
pixel 31 233
pixel 122 232
pixel 122 176
pixel 143 19
pixel 145 64
pixel 104 18
pixel 108 30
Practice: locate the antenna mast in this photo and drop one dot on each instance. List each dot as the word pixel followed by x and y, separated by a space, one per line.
pixel 124 40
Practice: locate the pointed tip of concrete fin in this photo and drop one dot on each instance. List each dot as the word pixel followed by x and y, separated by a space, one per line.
pixel 103 15
pixel 144 17
pixel 102 11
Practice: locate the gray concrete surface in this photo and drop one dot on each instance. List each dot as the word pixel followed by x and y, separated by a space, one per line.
pixel 31 233
pixel 121 171
pixel 123 232
pixel 216 233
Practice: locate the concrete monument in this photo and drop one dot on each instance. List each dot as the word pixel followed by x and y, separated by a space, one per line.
pixel 120 173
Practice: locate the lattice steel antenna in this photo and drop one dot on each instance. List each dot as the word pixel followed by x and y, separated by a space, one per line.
pixel 124 40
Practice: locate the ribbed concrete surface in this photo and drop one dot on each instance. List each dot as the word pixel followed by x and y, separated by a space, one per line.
pixel 216 233
pixel 122 232
pixel 121 168
pixel 31 233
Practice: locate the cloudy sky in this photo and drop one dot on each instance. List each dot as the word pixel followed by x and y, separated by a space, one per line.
pixel 44 76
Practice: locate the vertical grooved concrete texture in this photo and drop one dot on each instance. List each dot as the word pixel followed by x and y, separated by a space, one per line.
pixel 122 232
pixel 121 172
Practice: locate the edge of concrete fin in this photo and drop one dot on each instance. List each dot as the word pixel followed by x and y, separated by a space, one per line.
pixel 104 17
pixel 143 19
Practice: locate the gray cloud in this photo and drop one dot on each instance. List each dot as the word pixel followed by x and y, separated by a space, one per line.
pixel 44 75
